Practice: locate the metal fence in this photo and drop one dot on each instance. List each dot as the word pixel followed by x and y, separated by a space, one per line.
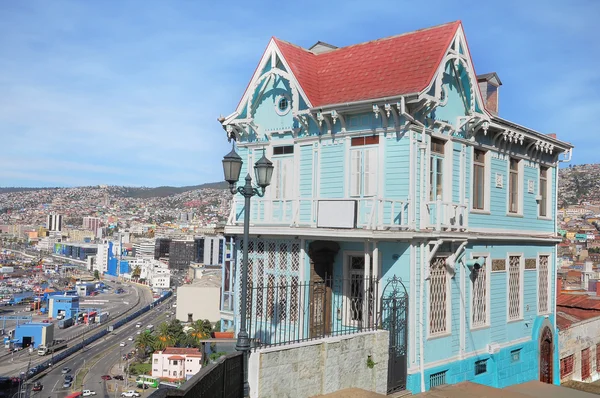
pixel 223 379
pixel 299 311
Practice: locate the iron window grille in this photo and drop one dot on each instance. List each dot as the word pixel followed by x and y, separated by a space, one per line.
pixel 479 309
pixel 566 366
pixel 514 288
pixel 585 364
pixel 543 284
pixel 480 366
pixel 437 379
pixel 438 296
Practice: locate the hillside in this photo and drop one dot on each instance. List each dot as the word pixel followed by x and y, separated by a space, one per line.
pixel 579 183
pixel 133 192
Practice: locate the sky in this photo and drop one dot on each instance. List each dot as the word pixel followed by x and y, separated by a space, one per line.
pixel 127 92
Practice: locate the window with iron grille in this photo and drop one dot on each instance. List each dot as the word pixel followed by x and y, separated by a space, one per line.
pixel 480 366
pixel 543 285
pixel 437 379
pixel 598 357
pixel 357 279
pixel 585 364
pixel 438 296
pixel 514 288
pixel 479 296
pixel 566 365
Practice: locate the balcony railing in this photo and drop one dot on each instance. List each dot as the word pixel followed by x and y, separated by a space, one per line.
pixel 446 216
pixel 365 213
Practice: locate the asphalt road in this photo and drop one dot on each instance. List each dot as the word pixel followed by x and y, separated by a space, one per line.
pixel 103 354
pixel 14 363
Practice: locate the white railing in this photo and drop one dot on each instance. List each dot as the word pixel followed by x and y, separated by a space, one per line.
pixel 371 213
pixel 447 216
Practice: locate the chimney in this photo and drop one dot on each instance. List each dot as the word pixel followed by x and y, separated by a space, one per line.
pixel 190 320
pixel 489 84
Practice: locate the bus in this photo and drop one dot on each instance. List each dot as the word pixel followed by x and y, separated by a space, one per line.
pixel 147 380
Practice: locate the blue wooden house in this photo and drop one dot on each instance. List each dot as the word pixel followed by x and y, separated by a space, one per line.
pixel 400 200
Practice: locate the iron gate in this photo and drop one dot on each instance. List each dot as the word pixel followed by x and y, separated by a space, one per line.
pixel 394 318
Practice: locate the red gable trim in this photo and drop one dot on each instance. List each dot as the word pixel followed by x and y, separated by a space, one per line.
pixel 397 65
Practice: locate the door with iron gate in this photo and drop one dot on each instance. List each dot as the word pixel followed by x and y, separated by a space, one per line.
pixel 394 318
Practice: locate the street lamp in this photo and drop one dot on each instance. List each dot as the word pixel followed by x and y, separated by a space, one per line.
pixel 263 168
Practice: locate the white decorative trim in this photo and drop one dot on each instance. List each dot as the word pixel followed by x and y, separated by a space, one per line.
pixel 521 283
pixel 499 178
pixel 488 287
pixel 530 186
pixel 497 155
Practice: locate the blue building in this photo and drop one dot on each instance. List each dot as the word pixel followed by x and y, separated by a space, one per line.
pixel 34 334
pixel 68 306
pixel 396 180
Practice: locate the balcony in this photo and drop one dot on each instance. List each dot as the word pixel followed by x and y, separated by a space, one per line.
pixel 446 216
pixel 363 213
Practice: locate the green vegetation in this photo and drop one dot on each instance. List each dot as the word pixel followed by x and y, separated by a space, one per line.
pixel 138 368
pixel 96 275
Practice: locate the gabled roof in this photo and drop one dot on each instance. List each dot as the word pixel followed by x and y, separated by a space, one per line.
pixel 393 66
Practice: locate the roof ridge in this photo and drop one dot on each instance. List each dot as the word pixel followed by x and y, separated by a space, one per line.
pixel 457 22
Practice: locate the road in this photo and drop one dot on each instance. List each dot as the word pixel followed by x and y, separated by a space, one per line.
pixel 18 362
pixel 103 355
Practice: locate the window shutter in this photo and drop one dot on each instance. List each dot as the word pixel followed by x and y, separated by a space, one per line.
pixel 275 183
pixel 370 172
pixel 355 173
pixel 287 178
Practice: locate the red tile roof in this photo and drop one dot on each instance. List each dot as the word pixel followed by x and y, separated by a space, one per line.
pixel 392 66
pixel 175 358
pixel 580 301
pixel 574 308
pixel 180 351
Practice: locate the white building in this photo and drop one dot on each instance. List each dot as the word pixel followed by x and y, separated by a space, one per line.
pixel 176 363
pixel 202 298
pixel 144 248
pixel 54 222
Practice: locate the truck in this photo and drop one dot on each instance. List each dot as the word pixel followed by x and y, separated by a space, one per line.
pixel 55 346
pixel 65 323
pixel 102 317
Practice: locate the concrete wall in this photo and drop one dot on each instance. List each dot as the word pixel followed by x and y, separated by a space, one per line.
pixel 202 302
pixel 573 340
pixel 320 367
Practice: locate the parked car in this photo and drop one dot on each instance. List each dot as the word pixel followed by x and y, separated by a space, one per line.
pixel 65 370
pixel 118 377
pixel 106 377
pixel 69 378
pixel 130 393
pixel 67 384
pixel 88 393
pixel 37 386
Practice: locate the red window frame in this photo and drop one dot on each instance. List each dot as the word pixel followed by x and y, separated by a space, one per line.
pixel 586 370
pixel 566 366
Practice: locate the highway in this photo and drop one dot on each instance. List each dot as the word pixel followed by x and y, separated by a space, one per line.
pixel 13 364
pixel 101 358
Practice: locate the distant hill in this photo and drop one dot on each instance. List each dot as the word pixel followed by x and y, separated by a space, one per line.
pixel 133 192
pixel 579 183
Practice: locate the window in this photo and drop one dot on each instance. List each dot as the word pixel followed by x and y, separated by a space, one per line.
pixel 436 169
pixel 515 355
pixel 480 367
pixel 543 285
pixel 174 362
pixel 437 379
pixel 479 296
pixel 363 166
pixel 585 363
pixel 156 360
pixel 479 183
pixel 282 182
pixel 566 366
pixel 283 104
pixel 513 187
pixel 543 191
pixel 438 297
pixel 283 150
pixel 357 287
pixel 514 288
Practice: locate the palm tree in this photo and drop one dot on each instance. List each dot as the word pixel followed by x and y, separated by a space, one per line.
pixel 164 338
pixel 144 341
pixel 200 329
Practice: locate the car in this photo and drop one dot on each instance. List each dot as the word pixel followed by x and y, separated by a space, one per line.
pixel 138 325
pixel 37 386
pixel 143 386
pixel 67 384
pixel 65 371
pixel 139 332
pixel 69 378
pixel 106 377
pixel 88 393
pixel 130 338
pixel 122 344
pixel 119 377
pixel 130 393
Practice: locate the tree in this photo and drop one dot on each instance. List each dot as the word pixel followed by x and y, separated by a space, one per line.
pixel 145 341
pixel 200 329
pixel 136 272
pixel 96 274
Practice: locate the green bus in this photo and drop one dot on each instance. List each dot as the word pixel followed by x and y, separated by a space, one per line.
pixel 147 380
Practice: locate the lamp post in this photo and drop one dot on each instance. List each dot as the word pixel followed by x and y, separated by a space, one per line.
pixel 263 168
